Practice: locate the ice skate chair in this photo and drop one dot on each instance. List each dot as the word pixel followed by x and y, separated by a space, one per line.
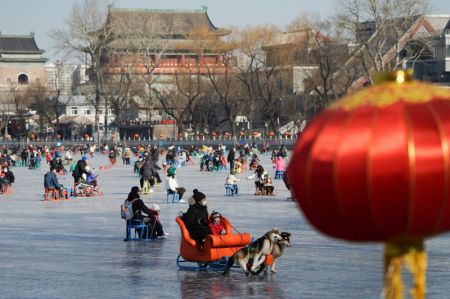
pixel 215 251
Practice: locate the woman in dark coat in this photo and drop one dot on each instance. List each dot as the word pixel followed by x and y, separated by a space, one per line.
pixel 151 217
pixel 196 218
pixel 79 170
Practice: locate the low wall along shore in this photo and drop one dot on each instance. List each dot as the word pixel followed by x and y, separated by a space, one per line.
pixel 289 143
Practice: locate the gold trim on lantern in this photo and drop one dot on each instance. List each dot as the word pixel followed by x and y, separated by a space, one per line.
pixel 369 174
pixel 445 156
pixel 390 93
pixel 412 169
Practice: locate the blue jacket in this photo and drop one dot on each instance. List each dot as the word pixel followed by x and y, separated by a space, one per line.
pixel 51 181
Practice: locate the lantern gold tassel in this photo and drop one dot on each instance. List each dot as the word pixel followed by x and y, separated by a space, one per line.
pixel 414 257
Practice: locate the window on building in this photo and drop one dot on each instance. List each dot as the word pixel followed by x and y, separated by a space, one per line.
pixel 110 111
pixel 87 111
pixel 74 110
pixel 101 127
pixel 22 79
pixel 100 111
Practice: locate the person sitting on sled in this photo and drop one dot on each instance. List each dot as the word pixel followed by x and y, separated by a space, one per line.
pixel 216 226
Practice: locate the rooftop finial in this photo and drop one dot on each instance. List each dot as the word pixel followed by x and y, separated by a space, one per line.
pixel 32 33
pixel 204 8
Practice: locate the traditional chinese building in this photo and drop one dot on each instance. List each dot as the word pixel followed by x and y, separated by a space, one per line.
pixel 163 41
pixel 21 61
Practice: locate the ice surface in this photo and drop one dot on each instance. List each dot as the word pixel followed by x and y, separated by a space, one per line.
pixel 75 249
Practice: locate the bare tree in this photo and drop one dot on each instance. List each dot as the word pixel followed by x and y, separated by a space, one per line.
pixel 139 44
pixel 189 88
pixel 251 62
pixel 7 109
pixel 382 31
pixel 328 52
pixel 85 36
pixel 38 95
pixel 173 104
pixel 152 42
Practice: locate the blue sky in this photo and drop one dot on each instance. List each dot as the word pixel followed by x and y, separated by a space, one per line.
pixel 41 16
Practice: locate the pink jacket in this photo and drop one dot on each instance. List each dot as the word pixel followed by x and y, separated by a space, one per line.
pixel 280 165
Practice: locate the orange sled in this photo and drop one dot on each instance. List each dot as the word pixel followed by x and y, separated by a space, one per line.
pixel 216 249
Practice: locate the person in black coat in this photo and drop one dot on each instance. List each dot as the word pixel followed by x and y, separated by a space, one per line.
pixel 155 154
pixel 231 158
pixel 151 217
pixel 196 218
pixel 149 171
pixel 24 156
pixel 79 170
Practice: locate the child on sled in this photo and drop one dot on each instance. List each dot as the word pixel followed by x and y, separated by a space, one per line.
pixel 216 226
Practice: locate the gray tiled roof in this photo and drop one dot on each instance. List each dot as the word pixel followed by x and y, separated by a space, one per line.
pixel 17 43
pixel 78 100
pixel 182 22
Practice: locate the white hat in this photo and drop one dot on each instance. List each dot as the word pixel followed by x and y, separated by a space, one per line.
pixel 156 207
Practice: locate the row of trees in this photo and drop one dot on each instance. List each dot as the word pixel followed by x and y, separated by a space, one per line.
pixel 256 65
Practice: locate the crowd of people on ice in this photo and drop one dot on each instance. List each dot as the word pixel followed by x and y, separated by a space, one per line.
pixel 148 166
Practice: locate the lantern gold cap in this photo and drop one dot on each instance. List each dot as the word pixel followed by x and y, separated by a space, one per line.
pixel 399 76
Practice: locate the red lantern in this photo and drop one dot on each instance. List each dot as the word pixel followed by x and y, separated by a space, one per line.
pixel 271 134
pixel 375 167
pixel 214 134
pixel 242 133
pixel 58 136
pixel 255 134
pixel 136 136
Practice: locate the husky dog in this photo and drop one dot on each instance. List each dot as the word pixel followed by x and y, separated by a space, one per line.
pixel 278 247
pixel 255 253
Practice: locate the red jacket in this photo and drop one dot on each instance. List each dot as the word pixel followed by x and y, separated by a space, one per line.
pixel 216 229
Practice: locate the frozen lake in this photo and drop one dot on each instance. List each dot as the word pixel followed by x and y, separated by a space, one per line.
pixel 75 248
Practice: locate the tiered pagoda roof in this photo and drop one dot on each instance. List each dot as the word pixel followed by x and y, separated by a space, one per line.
pixel 185 20
pixel 172 29
pixel 20 48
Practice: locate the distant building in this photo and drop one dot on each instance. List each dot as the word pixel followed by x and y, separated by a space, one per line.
pixel 81 74
pixel 78 116
pixel 152 46
pixel 21 62
pixel 60 77
pixel 168 40
pixel 424 45
pixel 293 55
pixel 65 77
